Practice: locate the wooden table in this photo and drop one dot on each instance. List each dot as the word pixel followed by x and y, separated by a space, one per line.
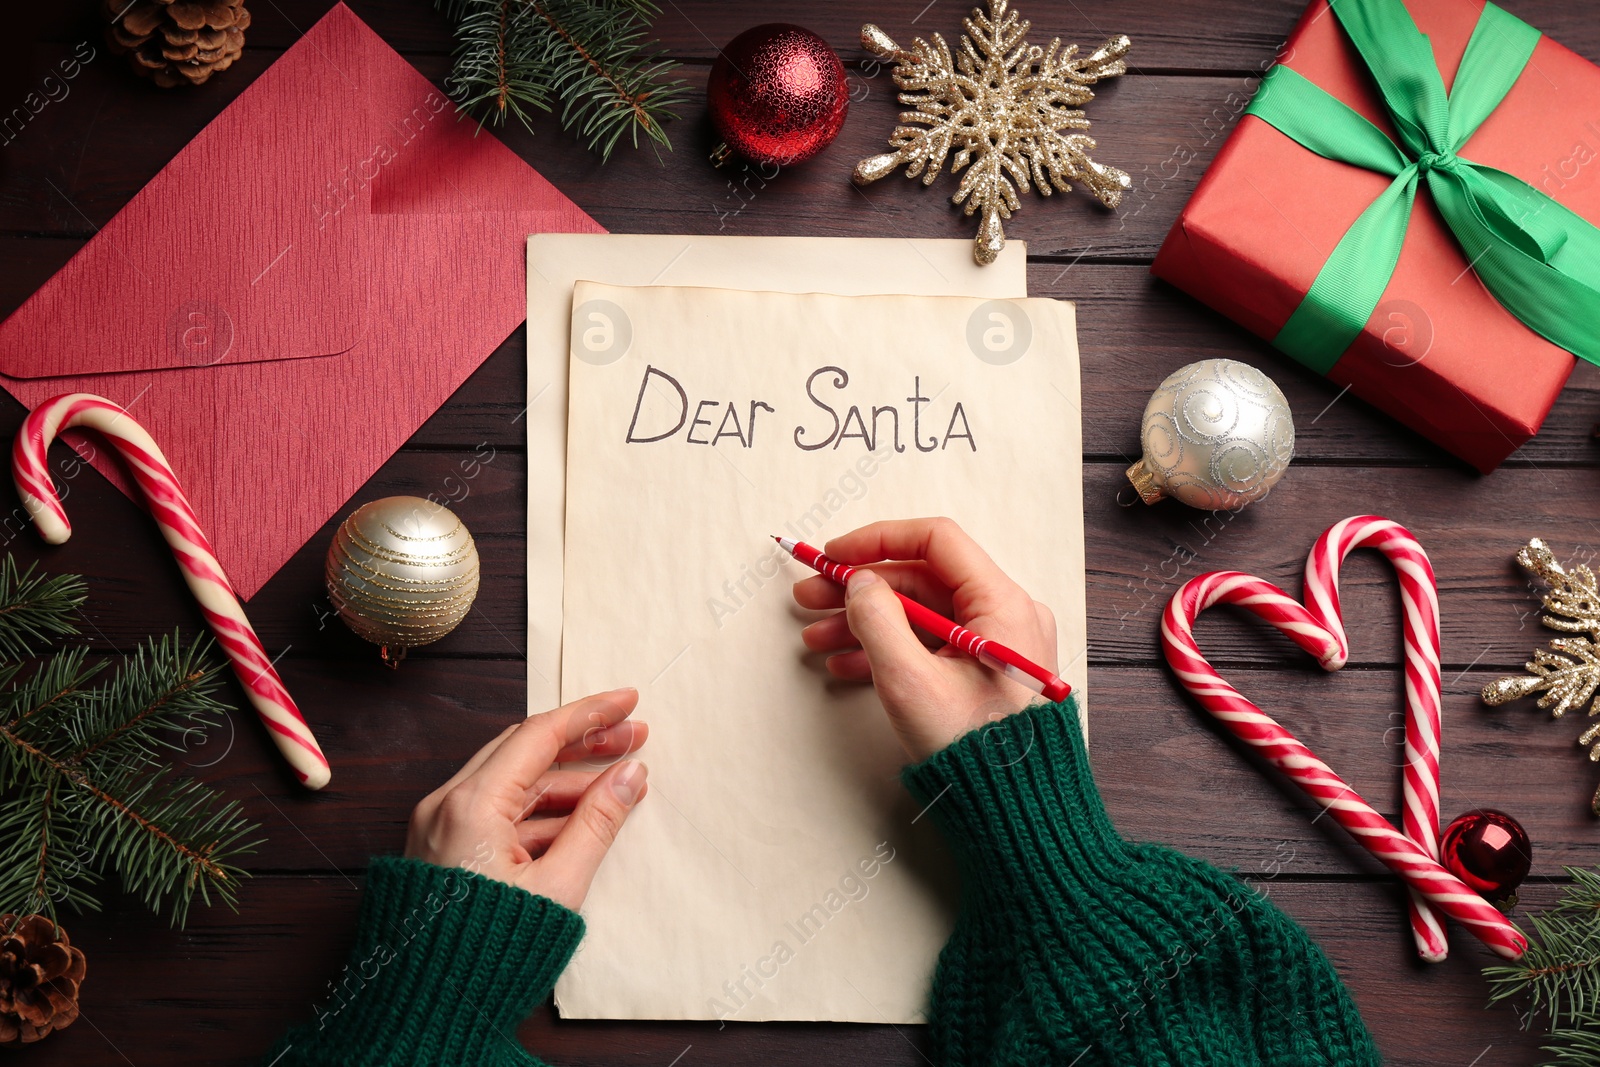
pixel 221 990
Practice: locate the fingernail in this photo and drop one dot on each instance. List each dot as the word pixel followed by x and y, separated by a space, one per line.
pixel 625 689
pixel 629 782
pixel 858 581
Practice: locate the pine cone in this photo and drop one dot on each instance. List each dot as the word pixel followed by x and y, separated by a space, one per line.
pixel 40 973
pixel 177 42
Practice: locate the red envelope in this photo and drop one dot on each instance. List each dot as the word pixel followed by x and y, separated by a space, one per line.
pixel 296 292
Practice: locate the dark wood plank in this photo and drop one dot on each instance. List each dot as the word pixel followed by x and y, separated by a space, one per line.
pixel 135 588
pixel 222 991
pixel 1168 772
pixel 75 164
pixel 1133 330
pixel 1422 1015
pixel 1229 35
pixel 1470 526
pixel 391 737
pixel 82 158
pixel 1137 558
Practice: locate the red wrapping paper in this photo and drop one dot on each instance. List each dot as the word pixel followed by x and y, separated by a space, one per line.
pixel 1439 354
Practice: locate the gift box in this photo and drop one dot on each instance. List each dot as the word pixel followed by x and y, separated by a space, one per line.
pixel 1493 289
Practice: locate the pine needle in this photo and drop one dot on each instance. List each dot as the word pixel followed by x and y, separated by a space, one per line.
pixel 87 792
pixel 589 57
pixel 1560 972
pixel 35 609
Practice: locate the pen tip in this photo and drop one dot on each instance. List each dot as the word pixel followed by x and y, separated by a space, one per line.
pixel 778 539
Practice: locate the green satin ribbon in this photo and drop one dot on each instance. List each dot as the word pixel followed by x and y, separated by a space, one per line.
pixel 1541 261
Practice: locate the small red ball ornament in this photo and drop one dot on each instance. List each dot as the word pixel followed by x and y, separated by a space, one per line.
pixel 1488 850
pixel 777 95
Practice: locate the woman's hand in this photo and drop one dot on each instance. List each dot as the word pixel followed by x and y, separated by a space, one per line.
pixel 932 697
pixel 509 814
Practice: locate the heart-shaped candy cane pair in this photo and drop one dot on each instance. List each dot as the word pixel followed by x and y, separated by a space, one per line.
pixel 1316 626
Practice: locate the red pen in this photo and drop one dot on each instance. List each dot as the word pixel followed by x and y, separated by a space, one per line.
pixel 991 654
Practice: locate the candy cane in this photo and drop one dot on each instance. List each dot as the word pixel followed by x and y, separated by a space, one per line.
pixel 1419 602
pixel 202 572
pixel 1319 631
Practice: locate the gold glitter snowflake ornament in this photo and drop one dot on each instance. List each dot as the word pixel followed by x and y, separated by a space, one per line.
pixel 1003 105
pixel 1567 674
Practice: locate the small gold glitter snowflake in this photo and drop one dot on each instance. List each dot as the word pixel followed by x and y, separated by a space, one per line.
pixel 1567 674
pixel 1003 105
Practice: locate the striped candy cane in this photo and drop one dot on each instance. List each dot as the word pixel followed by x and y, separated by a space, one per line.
pixel 202 572
pixel 1316 627
pixel 1419 603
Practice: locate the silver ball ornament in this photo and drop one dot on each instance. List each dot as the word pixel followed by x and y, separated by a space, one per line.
pixel 402 572
pixel 1216 434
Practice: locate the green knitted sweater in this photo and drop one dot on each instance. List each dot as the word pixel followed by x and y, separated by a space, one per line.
pixel 1072 946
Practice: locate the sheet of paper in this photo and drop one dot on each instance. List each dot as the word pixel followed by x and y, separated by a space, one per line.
pixel 777 869
pixel 845 265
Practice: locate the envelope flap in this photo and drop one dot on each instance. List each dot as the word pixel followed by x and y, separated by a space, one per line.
pixel 438 161
pixel 249 245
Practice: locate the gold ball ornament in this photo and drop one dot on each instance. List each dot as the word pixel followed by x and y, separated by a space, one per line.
pixel 1217 434
pixel 402 572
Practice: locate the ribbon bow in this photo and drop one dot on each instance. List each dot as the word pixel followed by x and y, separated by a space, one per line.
pixel 1538 259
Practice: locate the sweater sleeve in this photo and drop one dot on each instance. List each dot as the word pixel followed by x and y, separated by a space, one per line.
pixel 1073 945
pixel 446 964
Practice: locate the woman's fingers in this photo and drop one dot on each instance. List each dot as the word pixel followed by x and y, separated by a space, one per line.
pixel 535 835
pixel 531 748
pixel 878 620
pixel 556 791
pixel 833 634
pixel 911 577
pixel 850 666
pixel 568 866
pixel 819 593
pixel 606 741
pixel 955 558
pixel 830 635
pixel 427 805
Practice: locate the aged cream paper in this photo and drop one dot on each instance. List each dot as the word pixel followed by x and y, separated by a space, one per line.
pixel 844 265
pixel 777 869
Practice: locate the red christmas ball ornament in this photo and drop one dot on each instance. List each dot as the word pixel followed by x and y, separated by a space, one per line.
pixel 1488 850
pixel 777 95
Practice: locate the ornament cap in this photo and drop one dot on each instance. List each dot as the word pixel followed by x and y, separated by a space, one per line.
pixel 1144 483
pixel 1216 434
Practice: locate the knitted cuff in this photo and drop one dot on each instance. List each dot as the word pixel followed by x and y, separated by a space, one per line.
pixel 1017 801
pixel 446 964
pixel 1075 946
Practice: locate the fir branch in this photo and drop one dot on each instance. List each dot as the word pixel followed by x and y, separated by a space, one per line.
pixel 1578 1043
pixel 591 56
pixel 1560 971
pixel 35 705
pixel 39 869
pixel 35 609
pixel 163 688
pixel 84 774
